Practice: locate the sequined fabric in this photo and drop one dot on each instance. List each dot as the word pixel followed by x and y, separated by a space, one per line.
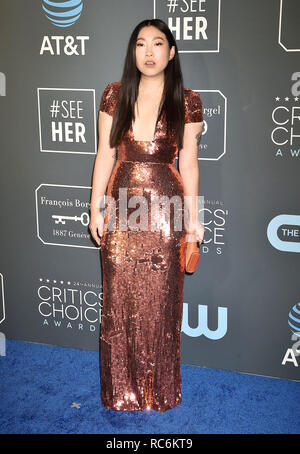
pixel 143 274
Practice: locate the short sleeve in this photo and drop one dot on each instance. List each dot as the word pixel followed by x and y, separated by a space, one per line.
pixel 193 107
pixel 109 98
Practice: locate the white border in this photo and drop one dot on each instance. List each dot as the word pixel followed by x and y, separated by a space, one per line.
pixel 197 51
pixel 2 293
pixel 37 215
pixel 40 133
pixel 279 31
pixel 225 125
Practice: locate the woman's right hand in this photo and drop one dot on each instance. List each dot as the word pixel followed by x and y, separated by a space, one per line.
pixel 96 226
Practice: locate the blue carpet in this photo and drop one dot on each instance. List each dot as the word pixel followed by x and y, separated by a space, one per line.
pixel 39 384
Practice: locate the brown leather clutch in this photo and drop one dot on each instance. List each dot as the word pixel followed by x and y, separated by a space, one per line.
pixel 192 255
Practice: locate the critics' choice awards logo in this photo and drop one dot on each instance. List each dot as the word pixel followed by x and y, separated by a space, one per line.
pixel 215 215
pixel 67 120
pixel 288 32
pixel 194 24
pixel 65 304
pixel 285 133
pixel 283 232
pixel 62 214
pixel 294 325
pixel 63 14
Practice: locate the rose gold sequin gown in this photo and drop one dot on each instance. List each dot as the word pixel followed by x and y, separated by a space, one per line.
pixel 143 275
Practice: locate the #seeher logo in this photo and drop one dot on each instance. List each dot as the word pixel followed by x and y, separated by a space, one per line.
pixel 294 319
pixel 62 13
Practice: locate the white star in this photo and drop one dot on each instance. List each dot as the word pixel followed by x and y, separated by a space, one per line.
pixel 74 404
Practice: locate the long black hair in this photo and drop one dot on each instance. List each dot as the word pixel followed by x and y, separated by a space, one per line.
pixel 172 103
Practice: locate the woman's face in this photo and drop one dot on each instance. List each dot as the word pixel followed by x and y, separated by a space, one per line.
pixel 152 46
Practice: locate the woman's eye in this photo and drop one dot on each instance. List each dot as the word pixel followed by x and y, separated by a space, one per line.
pixel 141 44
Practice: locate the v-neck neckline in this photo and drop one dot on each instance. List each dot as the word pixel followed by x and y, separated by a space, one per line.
pixel 144 141
pixel 155 130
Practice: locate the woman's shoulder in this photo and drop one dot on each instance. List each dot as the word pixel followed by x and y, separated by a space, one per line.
pixel 113 86
pixel 190 94
pixel 193 106
pixel 109 97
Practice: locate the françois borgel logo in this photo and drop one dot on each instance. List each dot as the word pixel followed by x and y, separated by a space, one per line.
pixel 62 215
pixel 213 145
pixel 285 133
pixel 63 14
pixel 194 24
pixel 67 120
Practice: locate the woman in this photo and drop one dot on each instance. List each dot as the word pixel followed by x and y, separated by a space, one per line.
pixel 148 117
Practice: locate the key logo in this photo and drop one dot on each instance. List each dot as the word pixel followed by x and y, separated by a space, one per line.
pixel 62 214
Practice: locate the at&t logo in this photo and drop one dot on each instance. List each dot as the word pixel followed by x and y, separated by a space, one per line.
pixel 294 324
pixel 63 14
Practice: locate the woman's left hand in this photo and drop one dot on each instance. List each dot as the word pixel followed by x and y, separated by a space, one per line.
pixel 195 232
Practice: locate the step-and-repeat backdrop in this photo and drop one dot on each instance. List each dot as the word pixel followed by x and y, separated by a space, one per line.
pixel 242 306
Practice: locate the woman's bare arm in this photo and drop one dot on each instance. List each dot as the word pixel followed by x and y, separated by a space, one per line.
pixel 189 171
pixel 103 167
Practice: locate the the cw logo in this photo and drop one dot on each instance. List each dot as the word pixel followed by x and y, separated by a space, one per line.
pixel 283 232
pixel 202 327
